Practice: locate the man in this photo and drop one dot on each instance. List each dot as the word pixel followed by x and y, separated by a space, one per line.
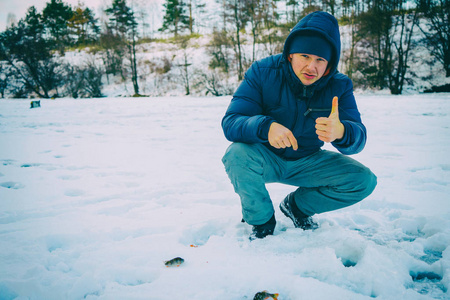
pixel 287 106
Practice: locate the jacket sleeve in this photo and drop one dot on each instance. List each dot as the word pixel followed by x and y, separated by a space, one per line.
pixel 244 120
pixel 355 135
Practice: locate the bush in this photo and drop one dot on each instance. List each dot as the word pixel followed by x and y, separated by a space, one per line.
pixel 439 89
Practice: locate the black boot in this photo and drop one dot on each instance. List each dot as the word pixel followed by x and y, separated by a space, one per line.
pixel 290 210
pixel 261 231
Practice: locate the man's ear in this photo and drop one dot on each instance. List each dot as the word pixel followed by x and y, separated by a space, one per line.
pixel 327 71
pixel 290 57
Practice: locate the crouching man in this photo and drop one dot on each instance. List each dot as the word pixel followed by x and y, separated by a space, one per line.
pixel 281 115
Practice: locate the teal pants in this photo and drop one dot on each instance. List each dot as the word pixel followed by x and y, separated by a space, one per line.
pixel 326 180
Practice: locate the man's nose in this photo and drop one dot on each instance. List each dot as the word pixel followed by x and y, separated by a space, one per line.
pixel 311 64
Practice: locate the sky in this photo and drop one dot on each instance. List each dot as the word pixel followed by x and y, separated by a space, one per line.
pixel 20 7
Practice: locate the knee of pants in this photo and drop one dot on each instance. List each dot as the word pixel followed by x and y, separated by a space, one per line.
pixel 367 182
pixel 236 154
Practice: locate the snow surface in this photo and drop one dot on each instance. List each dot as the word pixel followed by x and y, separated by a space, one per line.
pixel 96 194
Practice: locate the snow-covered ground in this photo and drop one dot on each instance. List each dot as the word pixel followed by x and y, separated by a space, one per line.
pixel 96 194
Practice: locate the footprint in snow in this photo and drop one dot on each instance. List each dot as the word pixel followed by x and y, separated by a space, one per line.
pixel 30 165
pixel 199 234
pixel 47 167
pixel 12 185
pixel 69 177
pixel 74 192
pixel 7 162
pixel 428 283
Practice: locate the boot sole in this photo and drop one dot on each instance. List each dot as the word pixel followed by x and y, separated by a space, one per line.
pixel 287 212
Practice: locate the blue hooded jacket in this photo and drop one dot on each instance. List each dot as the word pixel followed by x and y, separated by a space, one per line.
pixel 271 92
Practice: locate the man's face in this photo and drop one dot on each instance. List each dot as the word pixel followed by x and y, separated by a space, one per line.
pixel 308 67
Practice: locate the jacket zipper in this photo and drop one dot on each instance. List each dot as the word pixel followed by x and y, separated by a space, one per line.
pixel 315 109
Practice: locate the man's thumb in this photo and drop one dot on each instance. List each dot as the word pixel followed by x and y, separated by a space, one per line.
pixel 334 107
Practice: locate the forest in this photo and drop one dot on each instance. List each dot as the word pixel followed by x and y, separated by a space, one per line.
pixel 382 38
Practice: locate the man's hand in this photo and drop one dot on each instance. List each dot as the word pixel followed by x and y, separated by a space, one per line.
pixel 281 137
pixel 330 129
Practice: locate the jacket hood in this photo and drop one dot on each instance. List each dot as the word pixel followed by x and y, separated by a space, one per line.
pixel 320 23
pixel 325 25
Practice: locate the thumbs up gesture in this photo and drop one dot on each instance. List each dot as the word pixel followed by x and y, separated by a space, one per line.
pixel 330 129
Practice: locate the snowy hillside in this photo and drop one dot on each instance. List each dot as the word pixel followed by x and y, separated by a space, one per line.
pixel 161 71
pixel 96 194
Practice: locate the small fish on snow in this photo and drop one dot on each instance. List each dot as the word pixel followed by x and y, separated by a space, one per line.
pixel 175 262
pixel 265 295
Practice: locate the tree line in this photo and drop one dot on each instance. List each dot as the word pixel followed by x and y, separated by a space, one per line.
pixel 380 36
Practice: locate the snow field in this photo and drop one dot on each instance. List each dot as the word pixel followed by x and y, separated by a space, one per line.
pixel 96 194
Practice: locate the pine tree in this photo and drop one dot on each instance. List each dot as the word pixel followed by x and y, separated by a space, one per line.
pixel 83 26
pixel 28 52
pixel 123 24
pixel 175 19
pixel 55 17
pixel 122 20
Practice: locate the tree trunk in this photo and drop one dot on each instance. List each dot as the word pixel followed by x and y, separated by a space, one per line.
pixel 238 41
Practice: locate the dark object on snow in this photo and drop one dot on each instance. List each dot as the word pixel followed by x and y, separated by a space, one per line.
pixel 290 210
pixel 439 89
pixel 265 295
pixel 35 104
pixel 175 262
pixel 261 231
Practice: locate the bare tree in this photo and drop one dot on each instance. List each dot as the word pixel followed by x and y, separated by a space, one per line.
pixel 437 29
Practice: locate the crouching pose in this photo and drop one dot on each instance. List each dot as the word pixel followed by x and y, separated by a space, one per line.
pixel 287 106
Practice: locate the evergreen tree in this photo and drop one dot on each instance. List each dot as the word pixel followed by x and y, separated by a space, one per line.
pixel 123 24
pixel 28 52
pixel 175 19
pixel 122 19
pixel 55 17
pixel 83 26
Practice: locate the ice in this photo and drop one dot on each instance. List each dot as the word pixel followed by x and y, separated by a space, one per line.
pixel 96 194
